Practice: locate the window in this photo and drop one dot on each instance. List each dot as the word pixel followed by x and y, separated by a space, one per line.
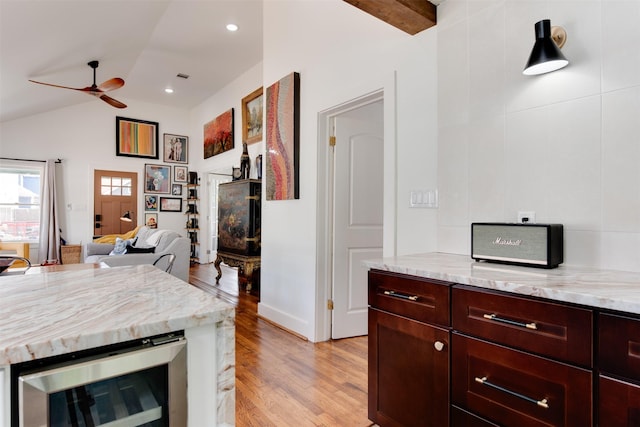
pixel 20 203
pixel 115 186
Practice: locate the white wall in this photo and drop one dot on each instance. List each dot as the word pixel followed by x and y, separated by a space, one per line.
pixel 342 53
pixel 84 137
pixel 564 145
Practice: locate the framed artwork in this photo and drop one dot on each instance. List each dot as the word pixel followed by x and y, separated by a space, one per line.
pixel 176 189
pixel 170 204
pixel 176 148
pixel 157 179
pixel 150 202
pixel 252 117
pixel 180 174
pixel 283 139
pixel 218 134
pixel 136 138
pixel 151 220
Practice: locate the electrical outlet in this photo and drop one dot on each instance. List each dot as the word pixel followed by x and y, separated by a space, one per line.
pixel 526 217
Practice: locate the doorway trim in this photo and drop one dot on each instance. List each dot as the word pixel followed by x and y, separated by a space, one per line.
pixel 324 201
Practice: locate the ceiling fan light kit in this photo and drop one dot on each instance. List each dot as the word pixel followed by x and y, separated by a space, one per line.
pixel 95 90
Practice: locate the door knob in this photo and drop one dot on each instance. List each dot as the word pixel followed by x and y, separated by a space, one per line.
pixel 438 345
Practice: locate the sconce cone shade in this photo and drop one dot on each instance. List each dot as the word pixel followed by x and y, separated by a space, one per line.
pixel 545 55
pixel 126 217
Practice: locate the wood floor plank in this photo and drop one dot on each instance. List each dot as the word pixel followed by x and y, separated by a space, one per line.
pixel 283 380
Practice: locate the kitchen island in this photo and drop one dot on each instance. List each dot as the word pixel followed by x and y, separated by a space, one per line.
pixel 459 342
pixel 59 312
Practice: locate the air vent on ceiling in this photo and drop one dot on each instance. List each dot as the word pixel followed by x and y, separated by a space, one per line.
pixel 182 76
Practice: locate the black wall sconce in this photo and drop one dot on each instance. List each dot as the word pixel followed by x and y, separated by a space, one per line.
pixel 546 55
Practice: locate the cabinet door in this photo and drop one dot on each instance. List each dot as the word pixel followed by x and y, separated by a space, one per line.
pixel 513 388
pixel 408 372
pixel 619 403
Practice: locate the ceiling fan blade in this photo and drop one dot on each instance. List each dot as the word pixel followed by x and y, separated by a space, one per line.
pixel 111 84
pixel 86 89
pixel 113 102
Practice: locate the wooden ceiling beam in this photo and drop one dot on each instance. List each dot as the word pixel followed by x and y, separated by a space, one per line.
pixel 410 16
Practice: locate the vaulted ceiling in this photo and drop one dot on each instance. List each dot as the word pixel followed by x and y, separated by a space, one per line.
pixel 147 43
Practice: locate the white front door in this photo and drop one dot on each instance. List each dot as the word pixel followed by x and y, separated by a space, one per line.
pixel 358 211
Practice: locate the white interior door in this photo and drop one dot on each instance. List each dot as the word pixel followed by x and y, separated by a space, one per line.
pixel 214 180
pixel 358 212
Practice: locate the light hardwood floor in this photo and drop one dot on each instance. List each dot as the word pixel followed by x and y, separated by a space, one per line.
pixel 283 380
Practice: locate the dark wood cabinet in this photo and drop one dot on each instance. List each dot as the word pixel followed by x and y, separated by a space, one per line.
pixel 619 362
pixel 408 357
pixel 239 232
pixel 443 354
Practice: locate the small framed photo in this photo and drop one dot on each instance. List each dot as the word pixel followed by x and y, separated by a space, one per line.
pixel 157 179
pixel 180 174
pixel 136 138
pixel 150 202
pixel 176 190
pixel 170 204
pixel 252 117
pixel 176 148
pixel 151 220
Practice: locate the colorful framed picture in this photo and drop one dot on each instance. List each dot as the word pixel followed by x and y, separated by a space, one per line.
pixel 157 179
pixel 151 220
pixel 176 189
pixel 170 204
pixel 283 139
pixel 176 148
pixel 150 202
pixel 136 138
pixel 252 117
pixel 218 134
pixel 180 174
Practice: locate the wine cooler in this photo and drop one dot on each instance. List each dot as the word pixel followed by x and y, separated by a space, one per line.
pixel 143 383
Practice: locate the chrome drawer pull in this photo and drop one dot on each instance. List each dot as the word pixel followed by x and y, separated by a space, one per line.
pixel 397 295
pixel 542 403
pixel 531 325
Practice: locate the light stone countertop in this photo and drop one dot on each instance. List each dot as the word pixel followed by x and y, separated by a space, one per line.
pixel 608 289
pixel 53 313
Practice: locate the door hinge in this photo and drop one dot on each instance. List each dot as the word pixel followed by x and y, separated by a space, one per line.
pixel 329 304
pixel 332 141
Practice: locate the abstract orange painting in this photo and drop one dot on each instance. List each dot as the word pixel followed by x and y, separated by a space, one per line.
pixel 218 134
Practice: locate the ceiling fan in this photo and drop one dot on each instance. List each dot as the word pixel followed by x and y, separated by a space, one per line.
pixel 97 91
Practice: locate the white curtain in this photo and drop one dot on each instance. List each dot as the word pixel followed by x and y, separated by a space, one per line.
pixel 49 221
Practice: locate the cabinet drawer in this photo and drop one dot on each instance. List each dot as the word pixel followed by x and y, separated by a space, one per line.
pixel 619 348
pixel 425 300
pixel 513 388
pixel 552 330
pixel 619 403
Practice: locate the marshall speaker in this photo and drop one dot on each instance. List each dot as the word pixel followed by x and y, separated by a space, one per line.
pixel 534 245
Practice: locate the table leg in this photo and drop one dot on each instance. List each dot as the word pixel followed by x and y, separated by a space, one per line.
pixel 216 264
pixel 248 273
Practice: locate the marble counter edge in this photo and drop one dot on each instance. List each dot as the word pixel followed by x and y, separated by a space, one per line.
pixel 575 290
pixel 73 343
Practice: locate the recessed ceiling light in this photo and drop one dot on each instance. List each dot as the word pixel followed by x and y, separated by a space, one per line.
pixel 168 90
pixel 232 27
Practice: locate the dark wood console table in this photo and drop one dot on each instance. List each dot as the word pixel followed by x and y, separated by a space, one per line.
pixel 247 266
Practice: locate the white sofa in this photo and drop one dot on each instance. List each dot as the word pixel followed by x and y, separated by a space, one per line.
pixel 164 241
